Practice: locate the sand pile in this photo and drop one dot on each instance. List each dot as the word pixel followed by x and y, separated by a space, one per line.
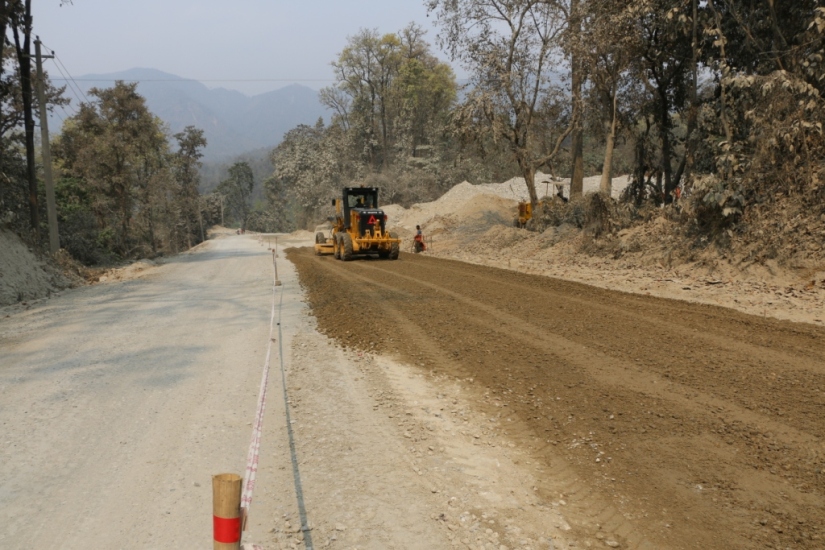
pixel 458 203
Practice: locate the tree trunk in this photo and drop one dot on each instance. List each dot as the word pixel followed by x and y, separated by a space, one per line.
pixel 723 115
pixel 529 174
pixel 606 183
pixel 664 128
pixel 24 61
pixel 780 44
pixel 685 167
pixel 384 138
pixel 4 24
pixel 152 230
pixel 577 149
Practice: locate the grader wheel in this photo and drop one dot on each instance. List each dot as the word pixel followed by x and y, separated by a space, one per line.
pixel 336 246
pixel 394 248
pixel 346 247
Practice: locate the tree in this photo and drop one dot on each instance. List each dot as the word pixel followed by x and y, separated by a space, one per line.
pixel 237 188
pixel 577 77
pixel 424 91
pixel 391 94
pixel 604 44
pixel 186 164
pixel 20 19
pixel 508 46
pixel 365 70
pixel 14 188
pixel 765 118
pixel 663 64
pixel 120 153
pixel 310 167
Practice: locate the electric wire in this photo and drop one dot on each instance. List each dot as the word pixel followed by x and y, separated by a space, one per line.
pixel 60 63
pixel 77 93
pixel 71 112
pixel 62 120
pixel 67 76
pixel 77 87
pixel 209 79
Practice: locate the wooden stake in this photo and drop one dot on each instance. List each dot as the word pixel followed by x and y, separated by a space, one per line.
pixel 226 511
pixel 274 263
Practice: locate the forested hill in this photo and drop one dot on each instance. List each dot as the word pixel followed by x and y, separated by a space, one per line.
pixel 233 123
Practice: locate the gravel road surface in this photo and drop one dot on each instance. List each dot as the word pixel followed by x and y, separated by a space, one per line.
pixel 119 401
pixel 661 424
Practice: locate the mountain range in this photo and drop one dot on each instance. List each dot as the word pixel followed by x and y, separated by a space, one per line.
pixel 233 123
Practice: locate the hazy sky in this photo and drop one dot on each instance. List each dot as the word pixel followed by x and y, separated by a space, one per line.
pixel 248 45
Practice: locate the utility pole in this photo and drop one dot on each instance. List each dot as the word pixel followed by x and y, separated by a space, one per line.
pixel 51 204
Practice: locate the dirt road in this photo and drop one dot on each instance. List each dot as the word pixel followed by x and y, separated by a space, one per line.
pixel 645 423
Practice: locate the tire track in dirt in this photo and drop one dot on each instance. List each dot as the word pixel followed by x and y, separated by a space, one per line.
pixel 717 357
pixel 619 373
pixel 663 429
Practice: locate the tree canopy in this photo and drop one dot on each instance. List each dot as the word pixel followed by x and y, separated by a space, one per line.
pixel 128 190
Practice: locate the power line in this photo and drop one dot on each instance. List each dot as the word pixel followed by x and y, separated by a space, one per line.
pixel 62 120
pixel 67 76
pixel 64 112
pixel 69 81
pixel 59 63
pixel 207 79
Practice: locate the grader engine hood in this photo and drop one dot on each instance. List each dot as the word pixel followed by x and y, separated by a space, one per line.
pixel 368 219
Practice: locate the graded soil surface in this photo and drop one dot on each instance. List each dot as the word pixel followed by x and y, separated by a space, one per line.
pixel 672 424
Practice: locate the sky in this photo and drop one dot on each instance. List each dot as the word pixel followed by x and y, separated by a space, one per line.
pixel 252 46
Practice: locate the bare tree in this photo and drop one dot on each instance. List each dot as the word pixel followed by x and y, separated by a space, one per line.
pixel 577 78
pixel 509 47
pixel 604 44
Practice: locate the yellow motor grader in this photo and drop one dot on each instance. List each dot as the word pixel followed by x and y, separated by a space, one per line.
pixel 359 227
pixel 525 214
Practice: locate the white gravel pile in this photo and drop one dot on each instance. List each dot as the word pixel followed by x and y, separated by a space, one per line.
pixel 457 198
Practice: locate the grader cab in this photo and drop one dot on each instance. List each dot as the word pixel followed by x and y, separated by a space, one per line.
pixel 359 227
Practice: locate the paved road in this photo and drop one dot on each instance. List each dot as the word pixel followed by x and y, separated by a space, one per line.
pixel 119 401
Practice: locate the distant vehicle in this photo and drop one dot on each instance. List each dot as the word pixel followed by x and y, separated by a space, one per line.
pixel 359 227
pixel 525 213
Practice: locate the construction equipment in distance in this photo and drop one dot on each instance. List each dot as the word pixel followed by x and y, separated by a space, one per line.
pixel 525 209
pixel 359 227
pixel 525 214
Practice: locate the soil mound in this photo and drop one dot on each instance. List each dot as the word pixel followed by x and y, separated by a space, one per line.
pixel 23 276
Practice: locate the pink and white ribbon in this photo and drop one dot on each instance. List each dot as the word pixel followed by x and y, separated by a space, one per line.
pixel 257 428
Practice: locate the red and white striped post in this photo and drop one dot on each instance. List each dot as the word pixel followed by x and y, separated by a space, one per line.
pixel 226 511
